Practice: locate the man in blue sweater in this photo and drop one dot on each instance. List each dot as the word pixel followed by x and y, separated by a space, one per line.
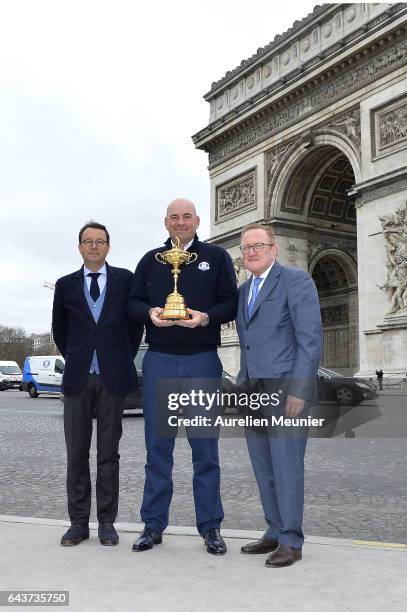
pixel 182 349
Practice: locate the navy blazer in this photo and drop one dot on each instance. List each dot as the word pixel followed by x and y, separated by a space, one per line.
pixel 114 337
pixel 283 336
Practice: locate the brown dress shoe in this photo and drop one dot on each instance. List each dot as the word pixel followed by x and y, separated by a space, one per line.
pixel 265 545
pixel 283 556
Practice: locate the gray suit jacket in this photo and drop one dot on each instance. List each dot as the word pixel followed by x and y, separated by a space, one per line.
pixel 283 337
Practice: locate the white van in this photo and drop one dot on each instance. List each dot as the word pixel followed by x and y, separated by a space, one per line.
pixel 43 374
pixel 10 375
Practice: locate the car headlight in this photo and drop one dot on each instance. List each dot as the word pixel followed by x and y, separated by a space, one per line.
pixel 363 386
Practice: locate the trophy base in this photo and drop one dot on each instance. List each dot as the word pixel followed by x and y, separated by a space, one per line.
pixel 175 308
pixel 173 315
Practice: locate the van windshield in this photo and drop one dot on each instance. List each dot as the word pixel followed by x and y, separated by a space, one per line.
pixel 9 369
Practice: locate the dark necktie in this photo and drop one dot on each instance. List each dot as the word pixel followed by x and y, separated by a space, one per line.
pixel 94 285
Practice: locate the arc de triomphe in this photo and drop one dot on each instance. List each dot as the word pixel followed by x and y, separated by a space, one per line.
pixel 310 136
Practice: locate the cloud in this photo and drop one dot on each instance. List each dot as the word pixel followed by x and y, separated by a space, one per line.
pixel 98 102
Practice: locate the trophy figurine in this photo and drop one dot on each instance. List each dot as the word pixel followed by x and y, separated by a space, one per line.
pixel 175 304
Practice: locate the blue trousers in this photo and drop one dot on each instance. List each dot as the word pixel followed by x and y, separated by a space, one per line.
pixel 278 465
pixel 158 486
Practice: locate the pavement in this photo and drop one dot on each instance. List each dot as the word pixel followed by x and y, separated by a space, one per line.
pixel 180 576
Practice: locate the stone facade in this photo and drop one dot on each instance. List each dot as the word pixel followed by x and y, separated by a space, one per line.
pixel 310 135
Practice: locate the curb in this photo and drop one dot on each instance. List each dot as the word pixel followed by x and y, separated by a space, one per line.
pixel 238 534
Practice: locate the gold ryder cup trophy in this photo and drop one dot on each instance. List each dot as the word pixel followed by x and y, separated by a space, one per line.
pixel 175 304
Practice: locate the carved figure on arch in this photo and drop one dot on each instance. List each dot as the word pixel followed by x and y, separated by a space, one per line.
pixel 394 227
pixel 240 270
pixel 350 125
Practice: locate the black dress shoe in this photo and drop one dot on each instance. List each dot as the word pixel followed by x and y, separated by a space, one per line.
pixel 283 556
pixel 215 544
pixel 148 538
pixel 75 535
pixel 108 535
pixel 258 547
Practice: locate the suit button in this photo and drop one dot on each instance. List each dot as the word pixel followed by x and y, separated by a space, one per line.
pixel 247 348
pixel 247 326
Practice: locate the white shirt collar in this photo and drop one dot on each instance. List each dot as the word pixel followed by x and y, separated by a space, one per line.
pixel 264 274
pixel 101 270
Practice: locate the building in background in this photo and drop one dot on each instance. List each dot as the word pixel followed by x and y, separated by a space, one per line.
pixel 309 135
pixel 44 344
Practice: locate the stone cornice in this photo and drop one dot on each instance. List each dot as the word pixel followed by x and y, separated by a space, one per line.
pixel 295 84
pixel 284 227
pixel 380 187
pixel 338 27
pixel 377 180
pixel 356 71
pixel 263 52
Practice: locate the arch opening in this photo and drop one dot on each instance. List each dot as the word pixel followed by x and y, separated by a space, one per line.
pixel 315 193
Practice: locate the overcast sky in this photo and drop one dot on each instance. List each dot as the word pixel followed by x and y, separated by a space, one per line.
pixel 98 103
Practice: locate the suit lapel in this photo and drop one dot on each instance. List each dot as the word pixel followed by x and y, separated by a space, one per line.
pixel 110 291
pixel 78 279
pixel 267 287
pixel 245 294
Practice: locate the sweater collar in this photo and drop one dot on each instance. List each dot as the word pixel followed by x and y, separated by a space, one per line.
pixel 168 243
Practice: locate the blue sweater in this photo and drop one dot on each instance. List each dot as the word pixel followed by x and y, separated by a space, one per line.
pixel 207 285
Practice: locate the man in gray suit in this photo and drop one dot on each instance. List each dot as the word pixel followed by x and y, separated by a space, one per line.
pixel 280 333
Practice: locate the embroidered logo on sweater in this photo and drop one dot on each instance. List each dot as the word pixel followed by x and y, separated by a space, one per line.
pixel 204 266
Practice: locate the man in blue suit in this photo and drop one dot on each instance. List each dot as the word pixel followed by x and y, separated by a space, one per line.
pixel 93 333
pixel 280 333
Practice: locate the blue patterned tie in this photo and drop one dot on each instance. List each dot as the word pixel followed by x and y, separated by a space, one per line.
pixel 255 293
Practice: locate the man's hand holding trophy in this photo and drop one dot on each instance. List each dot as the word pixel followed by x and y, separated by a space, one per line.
pixel 175 311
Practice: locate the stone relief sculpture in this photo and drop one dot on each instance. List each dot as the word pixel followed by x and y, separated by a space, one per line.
pixel 236 196
pixel 350 125
pixel 393 126
pixel 395 236
pixel 241 273
pixel 320 96
pixel 292 254
pixel 274 157
pixel 335 314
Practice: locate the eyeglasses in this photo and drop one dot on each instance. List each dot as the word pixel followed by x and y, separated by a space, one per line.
pixel 90 243
pixel 257 247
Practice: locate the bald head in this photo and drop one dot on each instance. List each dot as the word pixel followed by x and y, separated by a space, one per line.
pixel 181 220
pixel 181 203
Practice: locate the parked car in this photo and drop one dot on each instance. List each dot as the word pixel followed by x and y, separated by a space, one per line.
pixel 344 390
pixel 134 401
pixel 43 374
pixel 10 375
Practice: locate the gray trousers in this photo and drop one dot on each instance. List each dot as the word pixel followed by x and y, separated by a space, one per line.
pixel 78 420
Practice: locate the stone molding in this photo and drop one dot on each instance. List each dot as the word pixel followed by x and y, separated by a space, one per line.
pixel 316 248
pixel 236 196
pixel 393 322
pixel 347 123
pixel 277 39
pixel 382 188
pixel 328 87
pixel 321 35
